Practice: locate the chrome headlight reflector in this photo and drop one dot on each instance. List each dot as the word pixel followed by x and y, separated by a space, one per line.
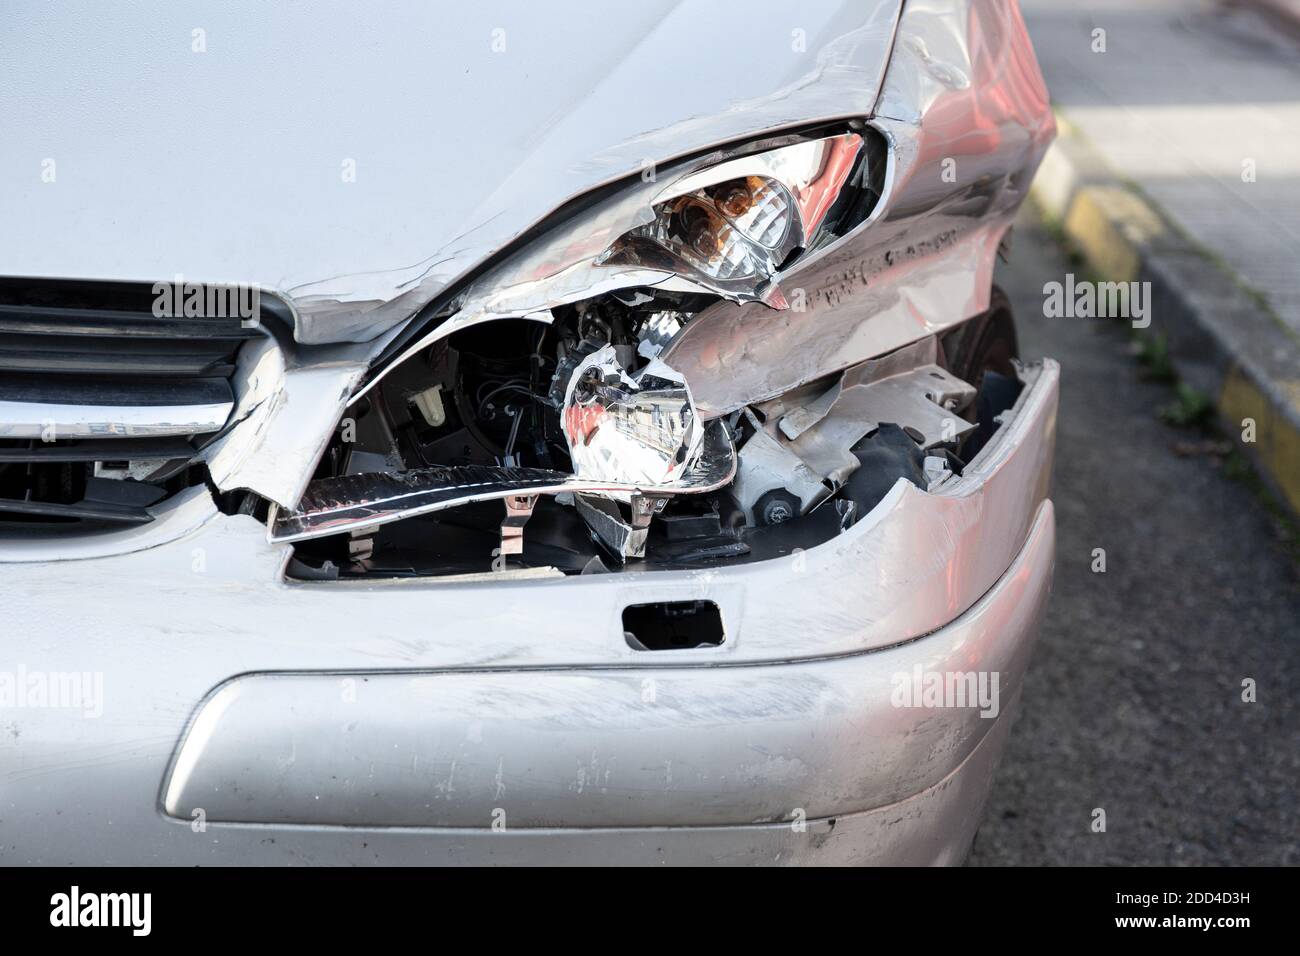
pixel 731 227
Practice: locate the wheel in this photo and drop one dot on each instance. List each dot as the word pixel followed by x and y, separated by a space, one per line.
pixel 981 352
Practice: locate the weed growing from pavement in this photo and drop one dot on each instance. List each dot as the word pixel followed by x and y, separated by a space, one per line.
pixel 1191 410
pixel 1152 353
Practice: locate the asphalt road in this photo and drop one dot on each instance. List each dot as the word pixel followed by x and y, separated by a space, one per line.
pixel 1133 701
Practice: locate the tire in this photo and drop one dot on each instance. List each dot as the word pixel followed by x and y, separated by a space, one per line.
pixel 981 352
pixel 988 341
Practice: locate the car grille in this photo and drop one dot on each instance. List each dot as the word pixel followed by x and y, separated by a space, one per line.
pixel 103 404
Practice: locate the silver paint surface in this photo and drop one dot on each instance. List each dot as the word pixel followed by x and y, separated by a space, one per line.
pixel 229 165
pixel 967 116
pixel 153 611
pixel 226 166
pixel 712 746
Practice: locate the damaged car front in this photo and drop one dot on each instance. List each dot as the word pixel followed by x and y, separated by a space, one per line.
pixel 661 483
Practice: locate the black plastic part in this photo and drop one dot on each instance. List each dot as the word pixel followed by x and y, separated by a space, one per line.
pixel 82 510
pixel 302 571
pixel 124 388
pixel 684 527
pixel 109 345
pixel 673 625
pixel 120 449
pixel 887 454
pixel 75 332
pixel 997 393
pixel 981 352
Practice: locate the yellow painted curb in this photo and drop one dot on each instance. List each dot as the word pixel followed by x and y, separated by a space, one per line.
pixel 1110 226
pixel 1113 227
pixel 1277 441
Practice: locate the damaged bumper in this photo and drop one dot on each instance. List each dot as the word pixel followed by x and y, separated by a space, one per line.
pixel 512 720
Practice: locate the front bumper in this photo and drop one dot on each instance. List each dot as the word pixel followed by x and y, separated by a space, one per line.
pixel 244 719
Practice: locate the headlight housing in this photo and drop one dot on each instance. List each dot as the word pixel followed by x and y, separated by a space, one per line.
pixel 733 226
pixel 577 406
pixel 721 225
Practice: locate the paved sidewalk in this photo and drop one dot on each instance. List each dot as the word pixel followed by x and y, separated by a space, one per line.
pixel 1186 92
pixel 1178 165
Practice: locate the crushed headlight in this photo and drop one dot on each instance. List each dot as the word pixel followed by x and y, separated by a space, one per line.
pixel 536 419
pixel 724 229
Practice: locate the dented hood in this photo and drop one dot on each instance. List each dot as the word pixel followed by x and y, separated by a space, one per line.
pixel 359 158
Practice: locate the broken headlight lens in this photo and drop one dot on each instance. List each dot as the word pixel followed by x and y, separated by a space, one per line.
pixel 740 221
pixel 641 429
pixel 728 232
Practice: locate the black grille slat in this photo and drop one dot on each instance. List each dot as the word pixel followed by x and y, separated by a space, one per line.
pixel 53 320
pixel 52 327
pixel 81 510
pixel 73 354
pixel 113 390
pixel 120 449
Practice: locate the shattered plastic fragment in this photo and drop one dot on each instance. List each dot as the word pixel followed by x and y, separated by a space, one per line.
pixel 354 502
pixel 639 429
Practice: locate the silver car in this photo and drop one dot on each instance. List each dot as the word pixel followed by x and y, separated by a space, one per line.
pixel 535 434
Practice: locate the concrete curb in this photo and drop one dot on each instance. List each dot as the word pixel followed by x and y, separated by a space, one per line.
pixel 1223 341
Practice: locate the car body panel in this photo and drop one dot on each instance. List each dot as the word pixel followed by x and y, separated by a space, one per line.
pixel 357 159
pixel 932 556
pixel 229 714
pixel 313 773
pixel 686 746
pixel 170 628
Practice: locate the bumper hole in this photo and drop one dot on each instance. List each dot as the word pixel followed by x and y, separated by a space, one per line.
pixel 672 625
